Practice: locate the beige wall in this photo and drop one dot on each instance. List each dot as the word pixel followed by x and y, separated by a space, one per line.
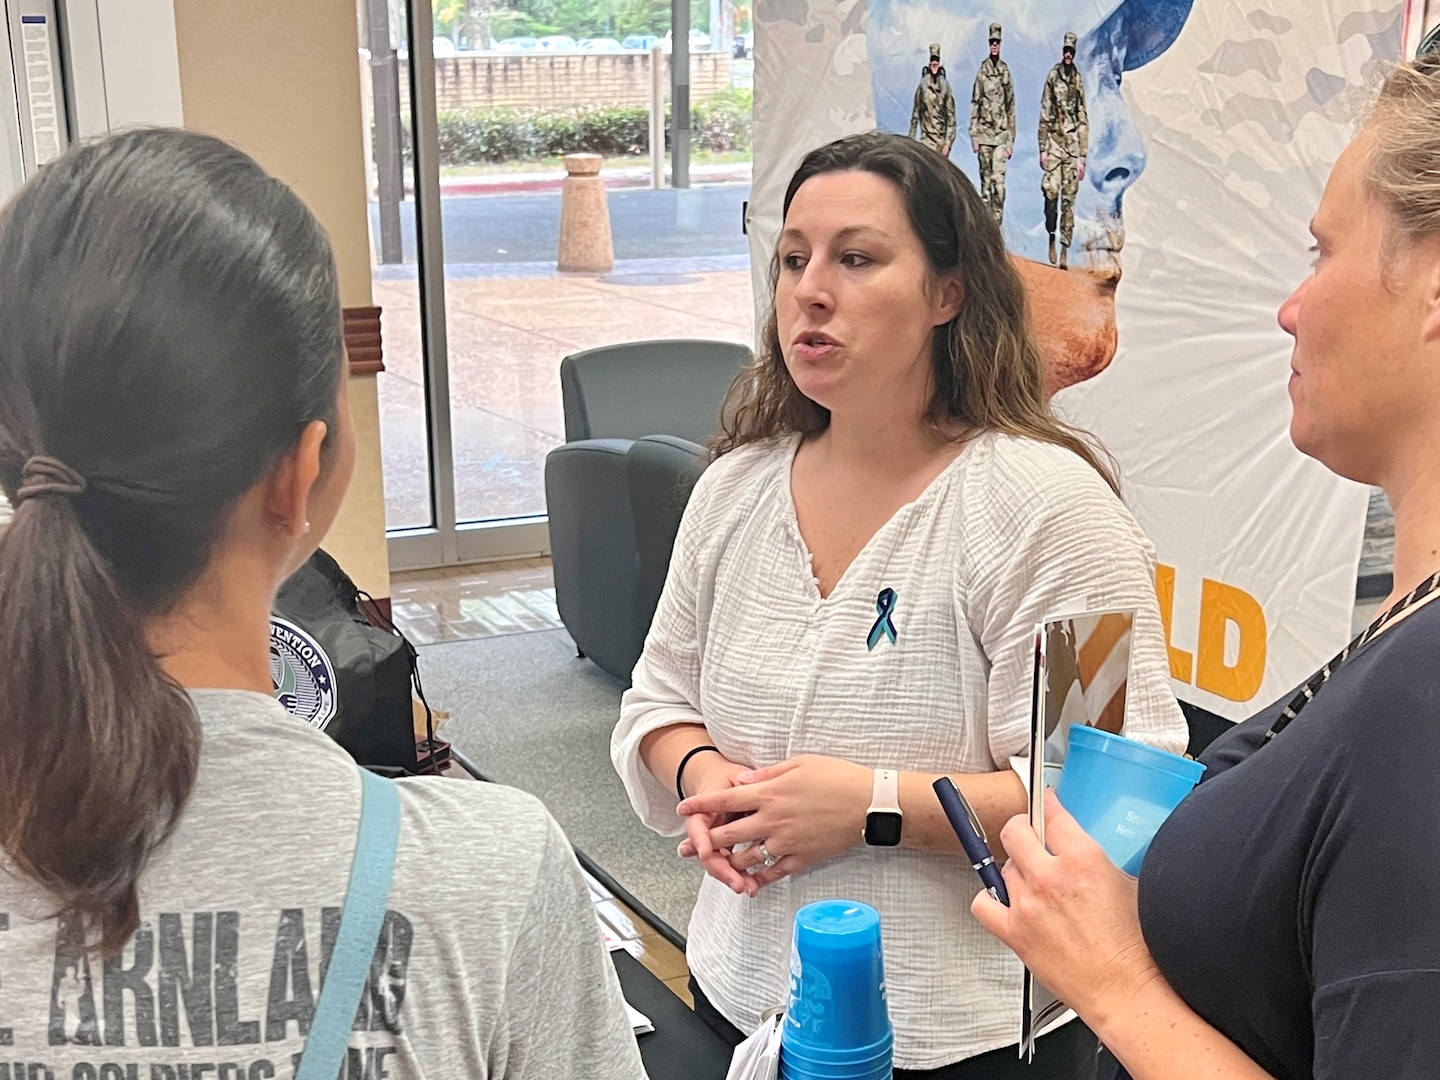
pixel 281 80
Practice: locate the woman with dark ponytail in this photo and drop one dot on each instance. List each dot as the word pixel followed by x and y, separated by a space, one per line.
pixel 174 847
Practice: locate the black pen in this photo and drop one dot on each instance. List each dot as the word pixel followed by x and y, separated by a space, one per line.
pixel 972 837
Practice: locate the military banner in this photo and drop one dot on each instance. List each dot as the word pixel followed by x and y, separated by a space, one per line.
pixel 1153 165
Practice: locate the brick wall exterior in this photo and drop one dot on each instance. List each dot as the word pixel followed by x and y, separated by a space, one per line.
pixel 563 80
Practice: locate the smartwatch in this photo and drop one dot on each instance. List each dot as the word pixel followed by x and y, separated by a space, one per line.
pixel 883 819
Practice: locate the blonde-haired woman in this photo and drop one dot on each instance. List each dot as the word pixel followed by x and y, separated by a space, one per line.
pixel 1286 917
pixel 852 603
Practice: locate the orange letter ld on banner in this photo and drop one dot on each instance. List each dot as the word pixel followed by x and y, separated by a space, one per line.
pixel 1181 662
pixel 1220 606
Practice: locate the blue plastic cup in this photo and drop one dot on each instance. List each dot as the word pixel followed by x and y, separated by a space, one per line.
pixel 875 1063
pixel 791 1069
pixel 837 1025
pixel 1121 791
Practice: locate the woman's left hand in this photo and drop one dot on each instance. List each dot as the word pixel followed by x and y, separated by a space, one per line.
pixel 1073 916
pixel 802 811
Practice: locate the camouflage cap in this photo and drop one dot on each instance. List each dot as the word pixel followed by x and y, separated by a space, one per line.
pixel 935 51
pixel 994 31
pixel 1069 41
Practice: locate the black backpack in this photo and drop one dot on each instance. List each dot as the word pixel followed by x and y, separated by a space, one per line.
pixel 345 669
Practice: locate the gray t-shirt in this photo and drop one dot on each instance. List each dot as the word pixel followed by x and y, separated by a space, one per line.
pixel 490 963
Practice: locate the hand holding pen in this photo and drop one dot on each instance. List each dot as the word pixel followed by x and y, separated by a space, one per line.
pixel 972 837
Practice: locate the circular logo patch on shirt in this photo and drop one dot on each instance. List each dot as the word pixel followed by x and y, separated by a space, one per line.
pixel 302 674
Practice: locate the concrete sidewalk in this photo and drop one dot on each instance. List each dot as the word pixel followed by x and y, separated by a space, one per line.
pixel 507 336
pixel 625 176
pixel 625 272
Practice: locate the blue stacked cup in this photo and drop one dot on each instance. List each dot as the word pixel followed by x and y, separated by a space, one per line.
pixel 837 1026
pixel 1121 791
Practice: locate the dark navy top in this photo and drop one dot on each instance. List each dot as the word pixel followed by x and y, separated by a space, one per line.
pixel 1293 900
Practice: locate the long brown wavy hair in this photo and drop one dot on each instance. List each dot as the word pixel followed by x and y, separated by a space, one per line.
pixel 987 368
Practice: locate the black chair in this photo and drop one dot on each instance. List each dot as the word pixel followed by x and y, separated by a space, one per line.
pixel 609 567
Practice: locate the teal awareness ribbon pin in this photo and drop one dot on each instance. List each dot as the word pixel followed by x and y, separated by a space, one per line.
pixel 885 625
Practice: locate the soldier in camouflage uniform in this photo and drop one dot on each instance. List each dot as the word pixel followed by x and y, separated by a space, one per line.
pixel 1064 142
pixel 992 123
pixel 934 111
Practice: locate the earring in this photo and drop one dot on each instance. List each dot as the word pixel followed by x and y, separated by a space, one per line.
pixel 306 530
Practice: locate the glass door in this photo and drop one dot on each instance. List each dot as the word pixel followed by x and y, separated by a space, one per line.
pixel 408 215
pixel 471 107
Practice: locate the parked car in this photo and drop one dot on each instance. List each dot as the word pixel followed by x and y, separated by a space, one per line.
pixel 517 44
pixel 639 41
pixel 444 47
pixel 744 45
pixel 557 43
pixel 699 41
pixel 600 45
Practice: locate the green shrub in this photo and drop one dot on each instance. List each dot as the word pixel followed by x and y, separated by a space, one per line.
pixel 722 122
pixel 481 136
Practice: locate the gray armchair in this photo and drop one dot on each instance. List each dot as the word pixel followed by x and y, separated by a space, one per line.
pixel 661 470
pixel 636 418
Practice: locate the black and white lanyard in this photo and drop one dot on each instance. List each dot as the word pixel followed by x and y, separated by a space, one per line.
pixel 1320 678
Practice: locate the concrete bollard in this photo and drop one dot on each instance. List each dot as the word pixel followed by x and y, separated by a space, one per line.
pixel 585 242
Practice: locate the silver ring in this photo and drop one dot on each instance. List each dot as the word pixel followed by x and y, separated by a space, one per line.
pixel 770 860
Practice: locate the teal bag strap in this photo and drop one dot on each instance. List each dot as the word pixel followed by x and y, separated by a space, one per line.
pixel 360 921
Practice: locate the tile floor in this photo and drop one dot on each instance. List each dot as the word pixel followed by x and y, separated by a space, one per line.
pixel 483 600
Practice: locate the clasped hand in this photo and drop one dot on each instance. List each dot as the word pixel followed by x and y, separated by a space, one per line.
pixel 802 811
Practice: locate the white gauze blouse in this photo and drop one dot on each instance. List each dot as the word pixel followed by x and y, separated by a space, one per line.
pixel 1013 531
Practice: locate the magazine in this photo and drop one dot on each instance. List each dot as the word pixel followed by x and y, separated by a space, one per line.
pixel 1082 669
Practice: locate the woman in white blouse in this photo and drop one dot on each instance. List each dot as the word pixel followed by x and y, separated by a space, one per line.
pixel 851 604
